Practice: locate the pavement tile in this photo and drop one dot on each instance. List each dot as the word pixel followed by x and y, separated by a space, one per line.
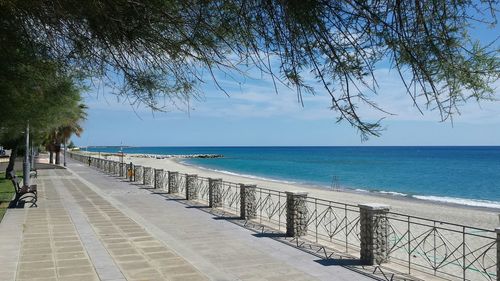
pixel 39 273
pixel 73 262
pixel 69 249
pixel 71 255
pixel 35 265
pixel 70 271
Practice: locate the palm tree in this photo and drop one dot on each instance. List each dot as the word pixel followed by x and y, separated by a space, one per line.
pixel 61 134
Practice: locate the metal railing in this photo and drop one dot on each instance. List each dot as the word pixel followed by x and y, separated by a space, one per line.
pixel 333 224
pixel 202 189
pixel 271 208
pixel 424 246
pixel 231 197
pixel 180 181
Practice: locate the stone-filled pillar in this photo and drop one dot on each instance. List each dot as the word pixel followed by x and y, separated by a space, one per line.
pixel 137 173
pixel 248 201
pixel 158 182
pixel 130 171
pixel 191 187
pixel 497 230
pixel 147 176
pixel 374 230
pixel 172 182
pixel 214 193
pixel 296 213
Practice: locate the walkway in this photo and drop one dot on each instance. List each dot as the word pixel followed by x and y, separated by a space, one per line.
pixel 90 226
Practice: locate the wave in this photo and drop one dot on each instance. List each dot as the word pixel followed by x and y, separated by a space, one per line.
pixel 393 193
pixel 460 201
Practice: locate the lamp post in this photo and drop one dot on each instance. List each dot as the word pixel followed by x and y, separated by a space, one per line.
pixel 26 162
pixel 121 160
pixel 64 153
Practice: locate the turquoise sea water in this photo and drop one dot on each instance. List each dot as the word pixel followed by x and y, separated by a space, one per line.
pixel 464 175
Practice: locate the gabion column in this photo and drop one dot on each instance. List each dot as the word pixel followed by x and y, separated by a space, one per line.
pixel 373 233
pixel 497 230
pixel 130 171
pixel 191 187
pixel 147 176
pixel 137 173
pixel 214 193
pixel 248 201
pixel 296 213
pixel 172 182
pixel 158 181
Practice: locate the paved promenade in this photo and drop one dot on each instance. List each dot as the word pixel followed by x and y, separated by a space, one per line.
pixel 90 226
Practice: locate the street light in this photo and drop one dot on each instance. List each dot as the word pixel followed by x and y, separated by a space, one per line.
pixel 121 160
pixel 64 153
pixel 26 163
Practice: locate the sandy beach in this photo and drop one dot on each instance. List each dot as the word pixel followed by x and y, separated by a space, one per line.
pixel 487 218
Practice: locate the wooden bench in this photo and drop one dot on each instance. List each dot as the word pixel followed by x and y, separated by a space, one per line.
pixel 24 194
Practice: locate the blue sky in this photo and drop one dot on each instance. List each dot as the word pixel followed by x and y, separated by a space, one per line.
pixel 254 115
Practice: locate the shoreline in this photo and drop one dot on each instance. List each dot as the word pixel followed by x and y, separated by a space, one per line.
pixel 474 216
pixel 377 193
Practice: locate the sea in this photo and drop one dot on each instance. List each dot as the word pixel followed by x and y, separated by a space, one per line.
pixel 466 175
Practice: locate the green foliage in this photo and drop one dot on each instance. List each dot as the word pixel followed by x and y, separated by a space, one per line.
pixel 6 194
pixel 152 49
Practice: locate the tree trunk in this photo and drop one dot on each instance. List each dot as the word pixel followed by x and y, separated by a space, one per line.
pixel 51 157
pixel 12 161
pixel 57 149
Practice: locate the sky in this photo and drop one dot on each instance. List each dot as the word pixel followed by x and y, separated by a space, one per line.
pixel 253 114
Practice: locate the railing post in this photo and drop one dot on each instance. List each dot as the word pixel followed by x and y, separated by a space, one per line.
pixel 374 230
pixel 137 173
pixel 130 171
pixel 296 213
pixel 146 175
pixel 248 201
pixel 497 230
pixel 191 187
pixel 157 177
pixel 172 182
pixel 214 193
pixel 120 169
